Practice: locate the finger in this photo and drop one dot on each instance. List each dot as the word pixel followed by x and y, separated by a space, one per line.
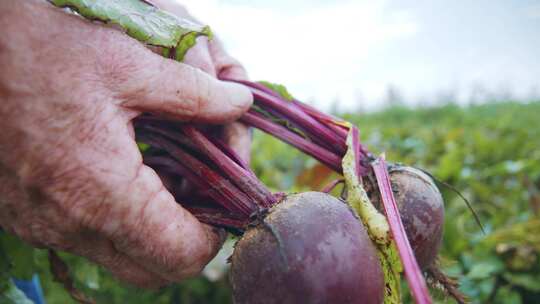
pixel 226 66
pixel 150 227
pixel 238 136
pixel 199 57
pixel 151 83
pixel 164 237
pixel 103 253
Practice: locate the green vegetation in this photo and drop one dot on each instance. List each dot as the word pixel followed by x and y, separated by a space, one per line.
pixel 491 153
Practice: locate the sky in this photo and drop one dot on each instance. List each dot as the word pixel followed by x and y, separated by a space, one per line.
pixel 353 55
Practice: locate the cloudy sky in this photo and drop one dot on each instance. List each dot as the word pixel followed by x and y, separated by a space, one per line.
pixel 352 51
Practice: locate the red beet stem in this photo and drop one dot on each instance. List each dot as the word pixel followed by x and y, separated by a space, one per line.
pixel 317 131
pixel 325 119
pixel 242 178
pixel 226 193
pixel 328 120
pixel 230 153
pixel 326 157
pixel 413 273
pixel 219 218
pixel 301 114
pixel 300 118
pixel 170 132
pixel 173 167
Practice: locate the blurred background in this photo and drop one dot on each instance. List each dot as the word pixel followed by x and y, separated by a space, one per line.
pixel 449 86
pixel 353 54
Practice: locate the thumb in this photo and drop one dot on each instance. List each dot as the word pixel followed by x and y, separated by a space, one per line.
pixel 170 88
pixel 157 232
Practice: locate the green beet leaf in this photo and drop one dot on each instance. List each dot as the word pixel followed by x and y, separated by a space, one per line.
pixel 143 22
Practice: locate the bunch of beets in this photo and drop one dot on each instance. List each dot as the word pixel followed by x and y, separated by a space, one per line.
pixel 295 248
pixel 307 247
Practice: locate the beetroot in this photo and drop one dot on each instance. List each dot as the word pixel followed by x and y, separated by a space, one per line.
pixel 421 208
pixel 310 248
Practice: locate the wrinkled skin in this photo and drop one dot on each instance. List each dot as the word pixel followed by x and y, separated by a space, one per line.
pixel 71 176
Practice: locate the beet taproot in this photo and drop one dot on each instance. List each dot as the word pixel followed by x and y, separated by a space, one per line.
pixel 310 248
pixel 421 207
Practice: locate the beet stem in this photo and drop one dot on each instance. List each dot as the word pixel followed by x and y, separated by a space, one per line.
pixel 312 127
pixel 218 218
pixel 242 178
pixel 328 120
pixel 226 193
pixel 209 215
pixel 325 119
pixel 413 273
pixel 323 155
pixel 316 130
pixel 230 153
pixel 327 133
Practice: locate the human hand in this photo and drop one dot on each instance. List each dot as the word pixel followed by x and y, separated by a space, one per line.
pixel 71 176
pixel 212 58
